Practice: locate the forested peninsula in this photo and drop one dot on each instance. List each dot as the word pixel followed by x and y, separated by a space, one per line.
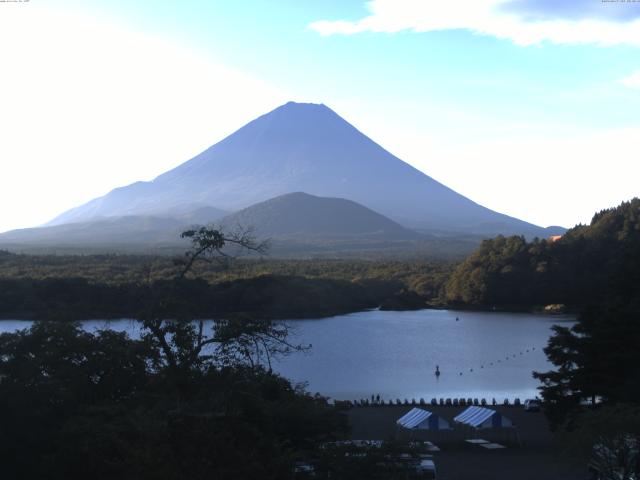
pixel 587 265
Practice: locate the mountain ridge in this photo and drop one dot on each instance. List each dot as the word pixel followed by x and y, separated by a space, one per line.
pixel 310 148
pixel 295 221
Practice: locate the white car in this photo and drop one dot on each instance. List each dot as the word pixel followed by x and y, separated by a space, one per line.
pixel 532 405
pixel 427 469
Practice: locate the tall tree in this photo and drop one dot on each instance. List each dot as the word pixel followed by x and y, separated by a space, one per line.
pixel 596 362
pixel 181 402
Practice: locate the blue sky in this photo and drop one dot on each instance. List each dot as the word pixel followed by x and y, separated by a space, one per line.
pixel 529 107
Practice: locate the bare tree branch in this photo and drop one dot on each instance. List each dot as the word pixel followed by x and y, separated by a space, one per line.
pixel 208 243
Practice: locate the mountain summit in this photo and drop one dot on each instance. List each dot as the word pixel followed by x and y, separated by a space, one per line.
pixel 303 147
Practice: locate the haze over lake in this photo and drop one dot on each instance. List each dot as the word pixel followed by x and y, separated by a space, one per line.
pixel 394 354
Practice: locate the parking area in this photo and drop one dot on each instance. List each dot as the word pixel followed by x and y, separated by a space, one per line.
pixel 530 452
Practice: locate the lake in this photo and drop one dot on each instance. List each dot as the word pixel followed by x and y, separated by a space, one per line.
pixel 394 354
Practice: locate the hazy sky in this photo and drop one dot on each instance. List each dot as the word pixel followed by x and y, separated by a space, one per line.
pixel 529 107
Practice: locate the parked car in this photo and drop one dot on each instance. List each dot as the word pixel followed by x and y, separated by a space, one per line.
pixel 532 405
pixel 426 469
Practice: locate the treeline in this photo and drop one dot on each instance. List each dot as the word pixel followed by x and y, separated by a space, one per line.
pixel 267 296
pixel 592 396
pixel 422 276
pixel 114 286
pixel 589 265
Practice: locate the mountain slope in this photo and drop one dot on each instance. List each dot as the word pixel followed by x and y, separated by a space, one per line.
pixel 301 214
pixel 303 147
pixel 298 217
pixel 137 231
pixel 113 232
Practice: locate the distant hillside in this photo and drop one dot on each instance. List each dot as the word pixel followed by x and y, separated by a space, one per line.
pixel 299 226
pixel 588 265
pixel 202 215
pixel 301 214
pixel 128 233
pixel 108 234
pixel 303 147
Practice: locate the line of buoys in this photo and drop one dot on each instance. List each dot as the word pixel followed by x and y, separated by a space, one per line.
pixel 513 355
pixel 490 363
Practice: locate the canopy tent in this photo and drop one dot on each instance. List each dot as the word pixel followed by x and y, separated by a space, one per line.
pixel 480 417
pixel 419 419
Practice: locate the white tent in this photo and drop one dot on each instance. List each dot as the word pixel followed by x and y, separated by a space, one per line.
pixel 480 417
pixel 419 419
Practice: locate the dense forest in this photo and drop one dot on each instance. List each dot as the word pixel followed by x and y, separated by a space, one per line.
pixel 75 404
pixel 115 286
pixel 588 265
pixel 419 275
pixel 591 397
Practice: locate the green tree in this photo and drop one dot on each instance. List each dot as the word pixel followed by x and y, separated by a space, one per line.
pixel 608 440
pixel 180 403
pixel 596 361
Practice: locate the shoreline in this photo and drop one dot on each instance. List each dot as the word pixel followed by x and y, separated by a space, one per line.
pixel 288 316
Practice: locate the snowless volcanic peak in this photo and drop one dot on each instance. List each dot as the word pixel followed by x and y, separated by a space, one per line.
pixel 303 147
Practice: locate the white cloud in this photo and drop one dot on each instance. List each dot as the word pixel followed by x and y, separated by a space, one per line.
pixel 560 180
pixel 484 17
pixel 632 81
pixel 88 106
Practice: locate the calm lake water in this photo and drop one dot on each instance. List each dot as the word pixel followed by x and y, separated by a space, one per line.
pixel 394 354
